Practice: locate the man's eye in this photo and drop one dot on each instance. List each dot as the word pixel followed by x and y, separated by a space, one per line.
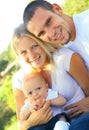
pixel 48 21
pixel 41 33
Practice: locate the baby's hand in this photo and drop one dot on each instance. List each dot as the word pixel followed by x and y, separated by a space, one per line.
pixel 24 114
pixel 33 107
pixel 49 101
pixel 39 104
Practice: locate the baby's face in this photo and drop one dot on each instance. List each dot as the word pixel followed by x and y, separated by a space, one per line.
pixel 36 90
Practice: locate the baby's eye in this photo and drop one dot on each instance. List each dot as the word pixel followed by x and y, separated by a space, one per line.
pixel 30 93
pixel 39 88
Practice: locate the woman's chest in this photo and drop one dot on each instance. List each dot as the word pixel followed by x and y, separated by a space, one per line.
pixel 64 84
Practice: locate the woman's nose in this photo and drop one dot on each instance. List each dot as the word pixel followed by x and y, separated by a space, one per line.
pixel 31 54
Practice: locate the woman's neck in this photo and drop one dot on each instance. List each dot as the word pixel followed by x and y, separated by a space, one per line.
pixel 47 76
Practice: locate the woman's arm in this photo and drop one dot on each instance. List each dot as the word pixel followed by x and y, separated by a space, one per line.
pixel 38 117
pixel 19 100
pixel 79 72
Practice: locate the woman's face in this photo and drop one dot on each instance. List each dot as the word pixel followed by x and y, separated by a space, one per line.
pixel 31 52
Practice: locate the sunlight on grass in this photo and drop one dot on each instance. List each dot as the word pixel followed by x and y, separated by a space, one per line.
pixel 13 125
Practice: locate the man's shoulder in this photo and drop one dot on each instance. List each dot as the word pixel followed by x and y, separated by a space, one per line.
pixel 82 15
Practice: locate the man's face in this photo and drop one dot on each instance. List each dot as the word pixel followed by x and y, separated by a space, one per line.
pixel 50 27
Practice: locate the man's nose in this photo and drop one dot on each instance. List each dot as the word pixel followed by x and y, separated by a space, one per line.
pixel 51 33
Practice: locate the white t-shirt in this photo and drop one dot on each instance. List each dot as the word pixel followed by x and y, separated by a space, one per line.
pixel 61 80
pixel 81 42
pixel 51 95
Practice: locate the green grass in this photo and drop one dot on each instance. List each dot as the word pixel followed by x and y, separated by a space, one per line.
pixel 13 125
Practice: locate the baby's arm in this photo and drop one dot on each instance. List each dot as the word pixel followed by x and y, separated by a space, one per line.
pixel 24 114
pixel 26 111
pixel 58 101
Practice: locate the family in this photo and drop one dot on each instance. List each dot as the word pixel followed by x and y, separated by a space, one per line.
pixel 52 87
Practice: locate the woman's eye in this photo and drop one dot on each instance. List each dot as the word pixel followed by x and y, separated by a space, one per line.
pixel 34 46
pixel 23 52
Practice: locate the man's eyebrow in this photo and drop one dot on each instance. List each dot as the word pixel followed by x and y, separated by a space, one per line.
pixel 38 35
pixel 45 23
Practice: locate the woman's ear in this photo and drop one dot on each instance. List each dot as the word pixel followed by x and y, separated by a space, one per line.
pixel 57 8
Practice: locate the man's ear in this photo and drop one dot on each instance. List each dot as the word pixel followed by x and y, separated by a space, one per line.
pixel 57 8
pixel 47 85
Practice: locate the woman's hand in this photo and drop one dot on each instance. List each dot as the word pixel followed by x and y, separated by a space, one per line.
pixel 78 108
pixel 41 116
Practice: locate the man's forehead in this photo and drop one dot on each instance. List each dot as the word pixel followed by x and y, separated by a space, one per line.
pixel 38 20
pixel 40 14
pixel 34 27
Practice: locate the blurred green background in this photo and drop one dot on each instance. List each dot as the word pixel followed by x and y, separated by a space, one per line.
pixel 9 65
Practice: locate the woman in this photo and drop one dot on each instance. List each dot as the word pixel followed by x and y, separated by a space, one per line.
pixel 65 68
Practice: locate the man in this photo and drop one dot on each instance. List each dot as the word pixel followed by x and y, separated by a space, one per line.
pixel 50 24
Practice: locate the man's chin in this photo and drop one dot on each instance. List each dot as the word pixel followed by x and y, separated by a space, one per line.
pixel 56 45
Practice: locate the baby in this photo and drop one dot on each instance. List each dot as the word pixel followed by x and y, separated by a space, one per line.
pixel 37 92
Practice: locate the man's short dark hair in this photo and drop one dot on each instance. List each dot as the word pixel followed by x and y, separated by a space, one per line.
pixel 31 8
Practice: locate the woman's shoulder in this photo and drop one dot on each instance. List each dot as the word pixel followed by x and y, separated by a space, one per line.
pixel 18 74
pixel 17 79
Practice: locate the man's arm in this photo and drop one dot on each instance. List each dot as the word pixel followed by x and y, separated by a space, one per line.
pixel 79 72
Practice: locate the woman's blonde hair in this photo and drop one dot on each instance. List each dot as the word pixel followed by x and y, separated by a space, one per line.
pixel 21 31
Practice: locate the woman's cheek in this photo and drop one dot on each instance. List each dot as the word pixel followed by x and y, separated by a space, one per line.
pixel 26 59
